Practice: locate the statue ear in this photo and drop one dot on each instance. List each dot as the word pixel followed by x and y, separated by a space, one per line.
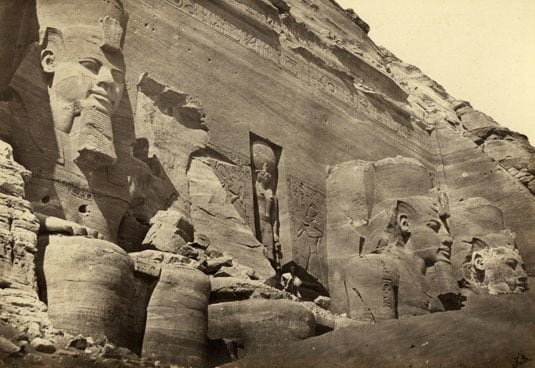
pixel 403 223
pixel 477 262
pixel 53 40
pixel 48 61
pixel 402 212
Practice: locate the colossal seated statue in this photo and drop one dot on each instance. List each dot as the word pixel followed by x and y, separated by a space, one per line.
pixel 75 190
pixel 402 266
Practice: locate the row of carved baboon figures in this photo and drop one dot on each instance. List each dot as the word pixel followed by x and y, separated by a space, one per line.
pixel 398 257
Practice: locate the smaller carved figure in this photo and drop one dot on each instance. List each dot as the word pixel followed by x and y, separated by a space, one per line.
pixel 494 266
pixel 309 237
pixel 264 162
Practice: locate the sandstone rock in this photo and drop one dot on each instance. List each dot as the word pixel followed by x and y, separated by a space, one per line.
pixel 43 345
pixel 486 320
pixel 226 289
pixel 19 25
pixel 323 302
pixel 89 287
pixel 212 265
pixel 7 347
pixel 213 215
pixel 169 231
pixel 260 325
pixel 79 342
pixel 201 241
pixel 176 324
pixel 237 271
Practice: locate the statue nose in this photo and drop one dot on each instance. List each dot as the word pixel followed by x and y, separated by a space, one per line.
pixel 446 240
pixel 105 78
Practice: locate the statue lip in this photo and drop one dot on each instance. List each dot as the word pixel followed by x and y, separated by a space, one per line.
pixel 522 286
pixel 102 97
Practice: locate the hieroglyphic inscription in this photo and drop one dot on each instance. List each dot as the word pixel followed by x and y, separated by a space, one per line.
pixel 237 182
pixel 310 74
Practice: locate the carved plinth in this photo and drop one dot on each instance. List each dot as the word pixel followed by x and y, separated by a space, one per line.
pixel 88 285
pixel 177 317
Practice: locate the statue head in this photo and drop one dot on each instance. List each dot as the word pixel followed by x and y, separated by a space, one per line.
pixel 84 67
pixel 412 223
pixel 494 265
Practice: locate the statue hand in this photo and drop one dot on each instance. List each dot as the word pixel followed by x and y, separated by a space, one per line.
pixel 56 225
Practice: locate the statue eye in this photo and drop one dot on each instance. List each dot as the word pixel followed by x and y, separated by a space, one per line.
pixel 118 75
pixel 434 225
pixel 512 263
pixel 90 64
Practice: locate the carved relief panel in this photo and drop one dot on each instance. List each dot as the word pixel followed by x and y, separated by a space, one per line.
pixel 307 225
pixel 236 180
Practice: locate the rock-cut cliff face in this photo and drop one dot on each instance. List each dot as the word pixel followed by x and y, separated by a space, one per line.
pixel 194 182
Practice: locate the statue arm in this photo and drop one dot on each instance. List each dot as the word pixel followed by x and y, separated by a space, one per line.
pixel 56 225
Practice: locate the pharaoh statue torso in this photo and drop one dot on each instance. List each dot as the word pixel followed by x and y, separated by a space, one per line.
pixel 71 144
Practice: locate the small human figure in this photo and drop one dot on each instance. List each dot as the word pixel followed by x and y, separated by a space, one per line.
pixel 291 283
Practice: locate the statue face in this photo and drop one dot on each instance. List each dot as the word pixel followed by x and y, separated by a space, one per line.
pixel 494 266
pixel 264 178
pixel 84 76
pixel 422 230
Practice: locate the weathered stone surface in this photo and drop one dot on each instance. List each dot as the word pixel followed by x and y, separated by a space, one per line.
pixel 441 339
pixel 177 317
pixel 469 173
pixel 18 29
pixel 7 347
pixel 43 345
pixel 88 285
pixel 512 150
pixel 226 289
pixel 213 214
pixel 169 231
pixel 470 118
pixel 79 342
pixel 163 113
pixel 19 303
pixel 260 325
